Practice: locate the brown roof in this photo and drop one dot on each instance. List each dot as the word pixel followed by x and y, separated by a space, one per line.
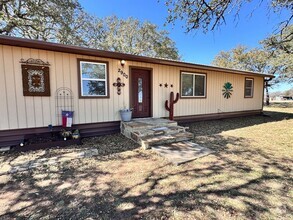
pixel 36 44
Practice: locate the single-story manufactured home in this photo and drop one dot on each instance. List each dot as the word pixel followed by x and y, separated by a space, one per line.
pixel 39 79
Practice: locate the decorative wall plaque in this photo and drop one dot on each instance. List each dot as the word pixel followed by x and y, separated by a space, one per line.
pixel 35 80
pixel 227 90
pixel 118 84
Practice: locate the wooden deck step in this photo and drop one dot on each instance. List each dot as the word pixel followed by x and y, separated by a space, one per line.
pixel 148 141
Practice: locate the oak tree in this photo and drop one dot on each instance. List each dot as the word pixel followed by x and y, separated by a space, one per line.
pixel 209 14
pixel 135 37
pixel 66 22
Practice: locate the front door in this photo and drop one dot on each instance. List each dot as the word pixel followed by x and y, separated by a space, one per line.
pixel 140 93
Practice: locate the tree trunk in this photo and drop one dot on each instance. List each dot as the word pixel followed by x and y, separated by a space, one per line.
pixel 267 94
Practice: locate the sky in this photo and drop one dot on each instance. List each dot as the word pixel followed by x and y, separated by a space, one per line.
pixel 196 47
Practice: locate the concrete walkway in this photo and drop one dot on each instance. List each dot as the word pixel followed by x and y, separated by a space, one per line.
pixel 181 152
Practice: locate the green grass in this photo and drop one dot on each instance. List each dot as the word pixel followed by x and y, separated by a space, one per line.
pixel 249 176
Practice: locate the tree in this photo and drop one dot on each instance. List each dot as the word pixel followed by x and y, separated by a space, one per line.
pixel 282 42
pixel 133 37
pixel 65 21
pixel 240 57
pixel 256 60
pixel 207 15
pixel 280 47
pixel 46 20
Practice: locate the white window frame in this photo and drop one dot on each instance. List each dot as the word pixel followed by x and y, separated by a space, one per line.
pixel 194 74
pixel 91 79
pixel 252 87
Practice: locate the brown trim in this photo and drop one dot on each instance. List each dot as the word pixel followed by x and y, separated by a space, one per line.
pixel 151 86
pixel 36 44
pixel 215 116
pixel 14 136
pixel 194 97
pixel 79 79
pixel 249 78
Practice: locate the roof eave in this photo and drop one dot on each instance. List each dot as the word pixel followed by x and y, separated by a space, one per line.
pixel 37 44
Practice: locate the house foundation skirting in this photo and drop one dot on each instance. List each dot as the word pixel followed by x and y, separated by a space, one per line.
pixel 14 137
pixel 215 116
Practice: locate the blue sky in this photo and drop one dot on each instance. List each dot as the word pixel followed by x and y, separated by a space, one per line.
pixel 196 46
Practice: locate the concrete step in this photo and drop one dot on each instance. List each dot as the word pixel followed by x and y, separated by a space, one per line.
pixel 157 131
pixel 140 125
pixel 148 141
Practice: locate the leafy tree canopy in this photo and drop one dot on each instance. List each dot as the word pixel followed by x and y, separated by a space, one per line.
pixel 65 21
pixel 281 43
pixel 38 19
pixel 134 37
pixel 256 60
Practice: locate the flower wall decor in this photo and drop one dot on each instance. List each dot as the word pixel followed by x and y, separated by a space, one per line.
pixel 36 81
pixel 227 90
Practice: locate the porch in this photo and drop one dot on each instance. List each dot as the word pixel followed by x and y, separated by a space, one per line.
pixel 154 131
pixel 165 137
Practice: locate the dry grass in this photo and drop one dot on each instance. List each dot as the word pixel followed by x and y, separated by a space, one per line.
pixel 248 177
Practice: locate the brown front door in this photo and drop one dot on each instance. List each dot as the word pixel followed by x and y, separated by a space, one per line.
pixel 140 93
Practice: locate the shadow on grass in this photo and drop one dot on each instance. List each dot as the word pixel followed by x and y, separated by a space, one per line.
pixel 237 182
pixel 217 126
pixel 106 145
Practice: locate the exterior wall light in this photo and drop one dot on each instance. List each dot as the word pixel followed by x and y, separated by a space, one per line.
pixel 122 62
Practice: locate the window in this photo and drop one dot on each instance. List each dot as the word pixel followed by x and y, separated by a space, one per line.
pixel 93 79
pixel 193 85
pixel 248 90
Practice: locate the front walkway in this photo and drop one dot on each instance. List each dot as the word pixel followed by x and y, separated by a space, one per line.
pixel 181 152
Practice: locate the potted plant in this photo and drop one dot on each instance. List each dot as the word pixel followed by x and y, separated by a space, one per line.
pixel 126 114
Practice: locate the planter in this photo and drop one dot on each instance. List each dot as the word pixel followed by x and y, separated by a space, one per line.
pixel 125 115
pixel 45 145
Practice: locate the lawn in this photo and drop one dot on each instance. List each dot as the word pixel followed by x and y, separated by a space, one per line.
pixel 248 176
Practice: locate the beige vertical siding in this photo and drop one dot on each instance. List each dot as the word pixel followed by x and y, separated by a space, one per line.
pixel 4 120
pixel 18 111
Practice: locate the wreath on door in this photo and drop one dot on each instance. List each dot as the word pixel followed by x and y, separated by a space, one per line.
pixel 227 90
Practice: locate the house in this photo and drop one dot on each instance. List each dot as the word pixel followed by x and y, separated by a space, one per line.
pixel 39 79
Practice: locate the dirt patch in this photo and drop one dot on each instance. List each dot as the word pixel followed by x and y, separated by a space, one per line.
pixel 249 176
